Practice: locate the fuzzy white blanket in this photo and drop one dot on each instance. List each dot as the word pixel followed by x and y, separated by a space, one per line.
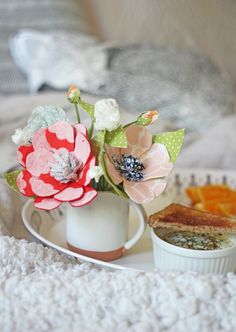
pixel 41 290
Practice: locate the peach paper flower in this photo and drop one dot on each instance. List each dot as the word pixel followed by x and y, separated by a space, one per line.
pixel 141 167
pixel 56 166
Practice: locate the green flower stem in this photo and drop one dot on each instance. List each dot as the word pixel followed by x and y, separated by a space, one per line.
pixel 116 189
pixel 129 124
pixel 90 131
pixel 77 113
pixel 106 176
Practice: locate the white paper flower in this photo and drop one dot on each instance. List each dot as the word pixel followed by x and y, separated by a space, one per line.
pixel 21 136
pixel 107 115
pixel 45 116
pixel 95 173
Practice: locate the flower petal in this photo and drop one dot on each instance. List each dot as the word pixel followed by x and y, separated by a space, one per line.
pixel 139 140
pixel 48 203
pixel 23 183
pixel 82 148
pixel 80 128
pixel 37 162
pixel 110 151
pixel 47 178
pixel 23 152
pixel 70 193
pixel 60 134
pixel 40 188
pixel 112 172
pixel 39 140
pixel 84 178
pixel 89 195
pixel 144 191
pixel 156 162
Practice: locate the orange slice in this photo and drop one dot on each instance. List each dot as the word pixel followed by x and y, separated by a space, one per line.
pixel 227 209
pixel 223 206
pixel 208 192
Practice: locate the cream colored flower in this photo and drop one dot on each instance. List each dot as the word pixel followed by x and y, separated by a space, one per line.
pixel 21 136
pixel 106 114
pixel 95 173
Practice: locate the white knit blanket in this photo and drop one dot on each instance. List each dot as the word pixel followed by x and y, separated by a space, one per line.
pixel 41 290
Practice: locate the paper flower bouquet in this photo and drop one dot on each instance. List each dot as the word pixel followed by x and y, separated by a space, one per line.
pixel 64 162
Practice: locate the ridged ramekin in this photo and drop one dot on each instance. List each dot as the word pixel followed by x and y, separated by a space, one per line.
pixel 168 257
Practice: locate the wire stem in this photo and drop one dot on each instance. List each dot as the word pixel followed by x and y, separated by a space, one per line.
pixel 77 113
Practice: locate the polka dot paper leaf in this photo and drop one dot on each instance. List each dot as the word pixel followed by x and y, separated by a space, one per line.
pixel 147 118
pixel 11 179
pixel 88 108
pixel 97 142
pixel 99 138
pixel 173 142
pixel 117 138
pixel 95 147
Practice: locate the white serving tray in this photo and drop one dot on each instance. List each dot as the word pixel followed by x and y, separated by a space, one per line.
pixel 49 227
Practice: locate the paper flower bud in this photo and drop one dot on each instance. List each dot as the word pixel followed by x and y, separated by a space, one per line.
pixel 21 136
pixel 148 118
pixel 73 94
pixel 107 115
pixel 95 173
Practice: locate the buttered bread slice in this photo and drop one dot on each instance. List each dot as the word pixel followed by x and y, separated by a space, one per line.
pixel 182 218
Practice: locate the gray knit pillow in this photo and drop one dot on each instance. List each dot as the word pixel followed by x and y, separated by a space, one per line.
pixel 44 15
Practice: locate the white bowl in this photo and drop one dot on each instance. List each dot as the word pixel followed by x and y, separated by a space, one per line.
pixel 168 257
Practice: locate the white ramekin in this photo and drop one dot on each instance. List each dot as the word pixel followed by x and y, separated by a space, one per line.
pixel 168 257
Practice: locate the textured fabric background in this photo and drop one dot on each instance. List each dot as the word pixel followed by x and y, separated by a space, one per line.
pixel 184 86
pixel 205 26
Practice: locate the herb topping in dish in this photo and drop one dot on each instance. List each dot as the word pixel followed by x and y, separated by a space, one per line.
pixel 195 241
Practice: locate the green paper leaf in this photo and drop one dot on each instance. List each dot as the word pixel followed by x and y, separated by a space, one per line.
pixel 99 138
pixel 88 108
pixel 117 138
pixel 173 142
pixel 97 142
pixel 11 179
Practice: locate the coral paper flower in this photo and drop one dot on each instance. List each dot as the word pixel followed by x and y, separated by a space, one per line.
pixel 56 166
pixel 141 166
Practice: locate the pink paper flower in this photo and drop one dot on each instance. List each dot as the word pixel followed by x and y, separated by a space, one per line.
pixel 141 166
pixel 57 165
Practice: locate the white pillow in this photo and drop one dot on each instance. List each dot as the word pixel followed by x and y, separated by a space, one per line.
pixel 59 59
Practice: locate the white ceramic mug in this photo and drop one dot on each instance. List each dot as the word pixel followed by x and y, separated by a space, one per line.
pixel 100 229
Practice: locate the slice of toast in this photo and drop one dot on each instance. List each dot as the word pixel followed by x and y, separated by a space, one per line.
pixel 183 218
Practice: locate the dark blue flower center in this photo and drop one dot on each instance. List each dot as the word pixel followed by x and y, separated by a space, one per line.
pixel 129 167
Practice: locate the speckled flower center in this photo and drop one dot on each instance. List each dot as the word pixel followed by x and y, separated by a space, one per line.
pixel 66 166
pixel 129 167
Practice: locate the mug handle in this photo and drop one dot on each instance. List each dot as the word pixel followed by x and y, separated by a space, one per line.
pixel 142 225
